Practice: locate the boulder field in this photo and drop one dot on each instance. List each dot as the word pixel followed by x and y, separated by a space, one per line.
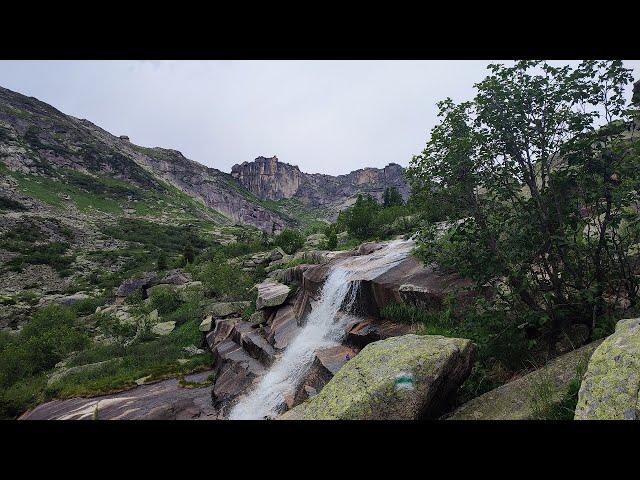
pixel 379 369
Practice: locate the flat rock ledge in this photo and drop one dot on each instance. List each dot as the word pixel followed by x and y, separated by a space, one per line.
pixel 610 388
pixel 400 378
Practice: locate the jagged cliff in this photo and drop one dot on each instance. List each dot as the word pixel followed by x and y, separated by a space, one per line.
pixel 37 139
pixel 270 179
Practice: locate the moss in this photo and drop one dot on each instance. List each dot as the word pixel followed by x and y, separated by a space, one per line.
pixel 373 385
pixel 612 382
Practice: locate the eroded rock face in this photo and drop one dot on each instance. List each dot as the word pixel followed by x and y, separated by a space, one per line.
pixel 516 400
pixel 401 378
pixel 610 389
pixel 283 328
pixel 235 372
pixel 270 179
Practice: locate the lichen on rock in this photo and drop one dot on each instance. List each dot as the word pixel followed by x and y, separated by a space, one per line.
pixel 610 387
pixel 400 378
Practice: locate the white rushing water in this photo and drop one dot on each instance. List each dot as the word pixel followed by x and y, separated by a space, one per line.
pixel 323 328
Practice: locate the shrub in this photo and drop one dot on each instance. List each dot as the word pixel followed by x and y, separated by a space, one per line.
pixel 49 337
pixel 290 241
pixel 165 300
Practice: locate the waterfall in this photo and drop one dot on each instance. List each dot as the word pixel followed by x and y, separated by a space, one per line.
pixel 323 328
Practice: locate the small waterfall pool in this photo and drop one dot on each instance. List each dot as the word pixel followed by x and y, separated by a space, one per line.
pixel 323 328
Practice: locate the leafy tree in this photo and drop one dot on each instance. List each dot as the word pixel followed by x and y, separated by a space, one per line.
pixel 332 239
pixel 162 260
pixel 391 197
pixel 290 241
pixel 359 218
pixel 542 183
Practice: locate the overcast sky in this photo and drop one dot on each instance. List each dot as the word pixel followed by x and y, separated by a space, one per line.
pixel 324 116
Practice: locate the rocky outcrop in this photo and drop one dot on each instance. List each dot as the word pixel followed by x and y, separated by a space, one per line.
pixel 271 294
pixel 270 179
pixel 516 400
pixel 401 378
pixel 610 389
pixel 165 400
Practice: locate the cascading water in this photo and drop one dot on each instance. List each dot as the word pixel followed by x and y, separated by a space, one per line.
pixel 323 328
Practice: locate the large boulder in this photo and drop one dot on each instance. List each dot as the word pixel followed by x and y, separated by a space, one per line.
pixel 206 324
pixel 516 400
pixel 224 309
pixel 132 285
pixel 73 299
pixel 399 378
pixel 163 328
pixel 413 283
pixel 271 294
pixel 362 332
pixel 176 277
pixel 609 390
pixel 222 330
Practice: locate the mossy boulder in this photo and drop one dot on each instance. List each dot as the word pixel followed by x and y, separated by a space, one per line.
pixel 518 400
pixel 224 309
pixel 400 378
pixel 610 387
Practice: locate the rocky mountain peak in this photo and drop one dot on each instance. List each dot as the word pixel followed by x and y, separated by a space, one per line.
pixel 270 179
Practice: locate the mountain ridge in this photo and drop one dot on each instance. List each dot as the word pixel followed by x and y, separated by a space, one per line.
pixel 38 139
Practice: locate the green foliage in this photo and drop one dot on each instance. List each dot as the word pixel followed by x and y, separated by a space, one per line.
pixel 170 238
pixel 289 240
pixel 164 299
pixel 391 197
pixel 548 404
pixel 224 281
pixel 145 356
pixel 44 341
pixel 162 261
pixel 51 254
pixel 332 239
pixel 543 194
pixel 359 218
pixel 51 336
pixel 502 348
pixel 88 305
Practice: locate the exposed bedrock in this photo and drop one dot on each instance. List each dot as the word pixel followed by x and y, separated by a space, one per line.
pixel 270 179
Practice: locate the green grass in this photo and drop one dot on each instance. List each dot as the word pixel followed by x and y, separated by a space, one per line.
pixel 502 348
pixel 27 358
pixel 548 404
